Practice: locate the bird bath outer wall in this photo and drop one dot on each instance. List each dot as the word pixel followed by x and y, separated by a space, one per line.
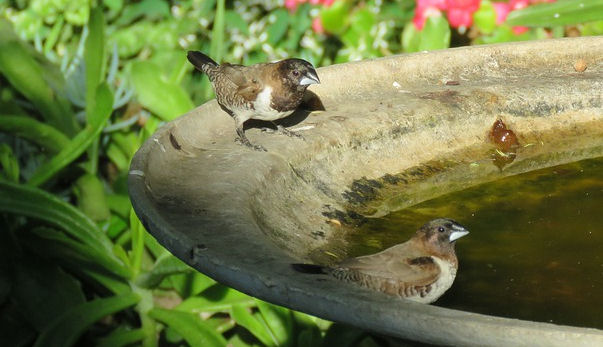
pixel 242 217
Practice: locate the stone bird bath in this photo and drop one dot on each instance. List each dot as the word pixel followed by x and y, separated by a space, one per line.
pixel 394 132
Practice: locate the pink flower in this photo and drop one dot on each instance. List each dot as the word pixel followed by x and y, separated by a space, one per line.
pixel 502 9
pixel 317 26
pixel 460 12
pixel 427 8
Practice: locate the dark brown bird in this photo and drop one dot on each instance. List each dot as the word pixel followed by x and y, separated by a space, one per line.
pixel 420 269
pixel 265 91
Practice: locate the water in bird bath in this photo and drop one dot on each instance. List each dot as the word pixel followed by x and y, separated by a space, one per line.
pixel 535 250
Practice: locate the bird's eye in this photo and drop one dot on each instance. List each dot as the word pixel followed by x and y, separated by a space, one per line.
pixel 295 73
pixel 441 229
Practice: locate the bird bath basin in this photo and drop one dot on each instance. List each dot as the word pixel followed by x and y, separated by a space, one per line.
pixel 394 132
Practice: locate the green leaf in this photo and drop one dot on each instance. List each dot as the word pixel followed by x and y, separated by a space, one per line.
pixel 57 244
pixel 335 18
pixel 562 12
pixel 234 20
pixel 435 34
pixel 65 329
pixel 34 77
pixel 246 319
pixel 164 99
pixel 101 109
pixel 90 195
pixel 485 17
pixel 94 59
pixel 34 131
pixel 279 321
pixel 214 299
pixel 165 266
pixel 10 166
pixel 189 326
pixel 36 203
pixel 190 284
pixel 410 38
pixel 121 337
pixel 278 28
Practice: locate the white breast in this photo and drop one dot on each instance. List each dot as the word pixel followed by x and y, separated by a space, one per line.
pixel 263 110
pixel 444 282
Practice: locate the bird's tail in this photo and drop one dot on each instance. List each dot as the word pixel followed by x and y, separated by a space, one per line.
pixel 201 61
pixel 309 269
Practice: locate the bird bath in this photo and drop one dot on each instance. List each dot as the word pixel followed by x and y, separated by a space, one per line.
pixel 394 132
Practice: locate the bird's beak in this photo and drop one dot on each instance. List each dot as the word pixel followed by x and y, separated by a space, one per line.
pixel 309 78
pixel 457 233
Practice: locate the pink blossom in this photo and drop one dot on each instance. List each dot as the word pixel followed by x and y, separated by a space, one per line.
pixel 317 26
pixel 460 12
pixel 502 9
pixel 427 8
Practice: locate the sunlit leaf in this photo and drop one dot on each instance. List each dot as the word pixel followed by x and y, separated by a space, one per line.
pixel 562 12
pixel 215 298
pixel 101 111
pixel 246 319
pixel 166 100
pixel 189 326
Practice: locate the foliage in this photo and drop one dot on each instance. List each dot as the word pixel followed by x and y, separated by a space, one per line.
pixel 82 87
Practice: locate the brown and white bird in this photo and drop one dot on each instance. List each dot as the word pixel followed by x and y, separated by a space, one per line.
pixel 265 91
pixel 420 269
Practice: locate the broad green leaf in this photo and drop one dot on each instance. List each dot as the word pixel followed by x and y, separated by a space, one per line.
pixel 165 266
pixel 121 337
pixel 278 29
pixel 190 284
pixel 67 328
pixel 90 195
pixel 43 291
pixel 151 9
pixel 94 59
pixel 189 326
pixel 137 232
pixel 485 17
pixel 119 204
pixel 410 38
pixel 335 17
pixel 36 203
pixel 65 247
pixel 279 321
pixel 101 111
pixel 166 100
pixel 216 298
pixel 34 131
pixel 234 20
pixel 246 319
pixel 34 77
pixel 562 12
pixel 8 163
pixel 435 34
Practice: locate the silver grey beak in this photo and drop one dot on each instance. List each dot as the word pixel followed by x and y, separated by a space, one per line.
pixel 309 78
pixel 457 233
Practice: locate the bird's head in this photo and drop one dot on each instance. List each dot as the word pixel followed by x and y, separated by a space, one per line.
pixel 440 234
pixel 298 72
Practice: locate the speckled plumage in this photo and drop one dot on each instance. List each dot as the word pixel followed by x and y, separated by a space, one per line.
pixel 265 91
pixel 420 269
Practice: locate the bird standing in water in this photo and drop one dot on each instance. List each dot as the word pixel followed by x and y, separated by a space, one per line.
pixel 420 269
pixel 265 91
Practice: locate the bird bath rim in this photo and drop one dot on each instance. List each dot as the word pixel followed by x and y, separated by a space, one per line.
pixel 210 201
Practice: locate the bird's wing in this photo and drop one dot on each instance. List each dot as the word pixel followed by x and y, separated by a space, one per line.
pixel 402 263
pixel 246 79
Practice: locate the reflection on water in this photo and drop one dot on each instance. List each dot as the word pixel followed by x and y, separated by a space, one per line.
pixel 536 245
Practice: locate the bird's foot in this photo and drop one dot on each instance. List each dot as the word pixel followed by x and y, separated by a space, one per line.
pixel 283 131
pixel 245 142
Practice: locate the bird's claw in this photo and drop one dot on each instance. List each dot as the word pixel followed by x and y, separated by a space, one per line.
pixel 245 142
pixel 283 131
